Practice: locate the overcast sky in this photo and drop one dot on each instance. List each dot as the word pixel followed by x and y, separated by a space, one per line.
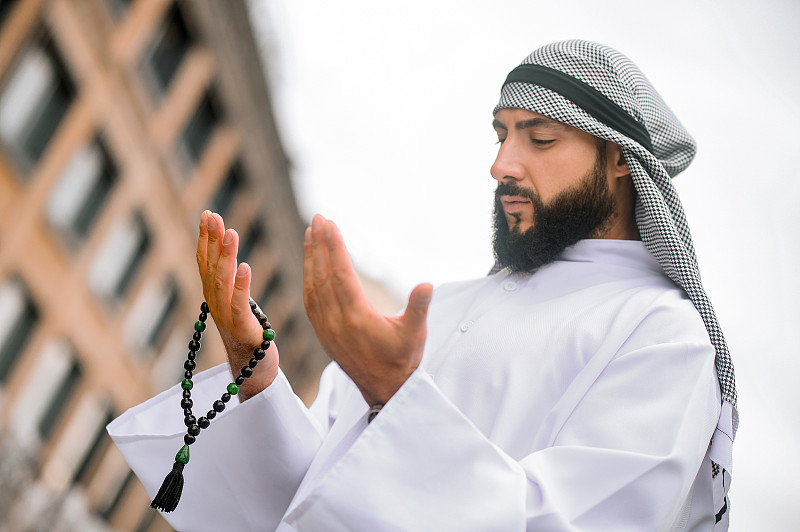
pixel 385 111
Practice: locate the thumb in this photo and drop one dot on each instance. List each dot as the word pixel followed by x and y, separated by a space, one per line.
pixel 418 302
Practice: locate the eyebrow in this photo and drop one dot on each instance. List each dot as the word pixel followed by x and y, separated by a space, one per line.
pixel 531 122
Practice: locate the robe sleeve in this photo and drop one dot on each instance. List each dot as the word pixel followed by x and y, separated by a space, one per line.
pixel 624 458
pixel 244 470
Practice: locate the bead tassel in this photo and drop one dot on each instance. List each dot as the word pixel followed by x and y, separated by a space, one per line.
pixel 169 495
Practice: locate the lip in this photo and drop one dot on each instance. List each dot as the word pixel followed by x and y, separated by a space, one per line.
pixel 514 203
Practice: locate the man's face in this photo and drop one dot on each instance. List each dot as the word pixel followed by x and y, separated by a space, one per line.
pixel 541 155
pixel 553 189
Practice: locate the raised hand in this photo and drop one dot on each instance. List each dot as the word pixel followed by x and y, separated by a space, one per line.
pixel 226 289
pixel 378 352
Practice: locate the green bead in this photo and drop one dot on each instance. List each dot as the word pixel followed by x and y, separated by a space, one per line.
pixel 183 455
pixel 199 326
pixel 233 389
pixel 269 335
pixel 187 384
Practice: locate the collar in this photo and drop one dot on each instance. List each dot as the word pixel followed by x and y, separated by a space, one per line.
pixel 626 253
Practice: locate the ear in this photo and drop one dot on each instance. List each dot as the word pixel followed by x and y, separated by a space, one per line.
pixel 616 160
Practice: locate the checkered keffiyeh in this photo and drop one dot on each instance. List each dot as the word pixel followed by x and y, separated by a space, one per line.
pixel 620 105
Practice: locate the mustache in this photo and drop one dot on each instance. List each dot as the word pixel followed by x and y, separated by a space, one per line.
pixel 513 189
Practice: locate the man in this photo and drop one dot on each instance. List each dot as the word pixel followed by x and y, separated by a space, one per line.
pixel 573 389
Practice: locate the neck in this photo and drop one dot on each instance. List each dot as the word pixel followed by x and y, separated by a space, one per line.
pixel 623 228
pixel 623 224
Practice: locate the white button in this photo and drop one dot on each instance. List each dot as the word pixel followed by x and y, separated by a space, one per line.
pixel 509 286
pixel 466 326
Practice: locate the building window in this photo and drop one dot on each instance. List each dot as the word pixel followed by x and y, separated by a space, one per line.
pixel 116 496
pixel 49 386
pixel 34 100
pixel 171 45
pixel 200 127
pixel 150 314
pixel 120 257
pixel 146 522
pixel 5 9
pixel 231 185
pixel 274 283
pixel 18 317
pixel 289 325
pixel 59 399
pixel 119 7
pixel 255 235
pixel 98 445
pixel 81 191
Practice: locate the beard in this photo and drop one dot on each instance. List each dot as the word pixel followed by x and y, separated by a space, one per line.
pixel 584 210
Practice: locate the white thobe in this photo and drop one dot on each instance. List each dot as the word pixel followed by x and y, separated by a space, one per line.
pixel 581 397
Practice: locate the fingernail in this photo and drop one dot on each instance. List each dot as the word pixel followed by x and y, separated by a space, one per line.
pixel 315 222
pixel 328 232
pixel 242 271
pixel 228 237
pixel 307 236
pixel 212 222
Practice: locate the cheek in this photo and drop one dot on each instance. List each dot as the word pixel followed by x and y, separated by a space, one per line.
pixel 562 171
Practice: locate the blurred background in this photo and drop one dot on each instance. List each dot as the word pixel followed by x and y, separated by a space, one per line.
pixel 121 120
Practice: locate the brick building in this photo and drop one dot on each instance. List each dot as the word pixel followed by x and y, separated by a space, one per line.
pixel 120 121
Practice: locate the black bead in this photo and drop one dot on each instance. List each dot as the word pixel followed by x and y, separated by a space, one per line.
pixel 203 307
pixel 187 393
pixel 219 406
pixel 194 430
pixel 247 371
pixel 186 403
pixel 203 316
pixel 197 335
pixel 253 362
pixel 253 305
pixel 239 380
pixel 188 439
pixel 187 374
pixel 261 352
pixel 203 422
pixel 211 414
pixel 189 365
pixel 194 345
pixel 225 397
pixel 187 411
pixel 189 420
pixel 191 356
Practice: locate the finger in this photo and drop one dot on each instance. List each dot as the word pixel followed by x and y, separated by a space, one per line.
pixel 416 312
pixel 308 268
pixel 202 244
pixel 216 232
pixel 343 275
pixel 240 300
pixel 226 269
pixel 324 295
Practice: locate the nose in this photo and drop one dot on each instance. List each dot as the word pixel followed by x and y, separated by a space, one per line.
pixel 507 166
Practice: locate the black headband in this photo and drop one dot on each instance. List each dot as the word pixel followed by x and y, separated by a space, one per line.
pixel 587 98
